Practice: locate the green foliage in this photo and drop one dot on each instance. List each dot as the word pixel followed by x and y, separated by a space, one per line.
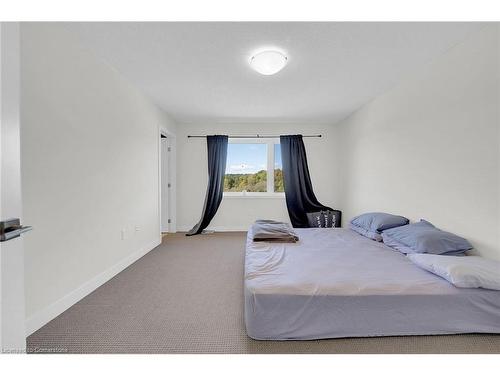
pixel 279 184
pixel 252 182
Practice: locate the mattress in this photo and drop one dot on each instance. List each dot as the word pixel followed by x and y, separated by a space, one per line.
pixel 336 283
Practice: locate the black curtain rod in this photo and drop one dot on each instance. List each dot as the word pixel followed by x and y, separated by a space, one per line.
pixel 255 136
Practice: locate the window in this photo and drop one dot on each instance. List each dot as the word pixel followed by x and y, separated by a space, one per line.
pixel 246 168
pixel 279 185
pixel 253 168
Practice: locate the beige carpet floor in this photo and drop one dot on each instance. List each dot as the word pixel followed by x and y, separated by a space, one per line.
pixel 186 296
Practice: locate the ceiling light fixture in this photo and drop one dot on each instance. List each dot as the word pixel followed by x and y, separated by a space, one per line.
pixel 268 62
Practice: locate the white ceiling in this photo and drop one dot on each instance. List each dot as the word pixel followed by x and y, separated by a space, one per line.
pixel 199 72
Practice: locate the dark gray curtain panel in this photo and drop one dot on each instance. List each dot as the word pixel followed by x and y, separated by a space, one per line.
pixel 217 155
pixel 300 198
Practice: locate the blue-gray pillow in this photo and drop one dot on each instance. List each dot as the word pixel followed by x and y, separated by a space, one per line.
pixel 372 224
pixel 423 237
pixel 366 232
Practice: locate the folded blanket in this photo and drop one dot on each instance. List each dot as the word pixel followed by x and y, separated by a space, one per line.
pixel 273 231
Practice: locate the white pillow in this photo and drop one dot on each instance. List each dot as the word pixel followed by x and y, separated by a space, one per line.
pixel 461 271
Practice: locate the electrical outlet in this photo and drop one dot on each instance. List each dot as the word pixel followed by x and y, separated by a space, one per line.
pixel 137 228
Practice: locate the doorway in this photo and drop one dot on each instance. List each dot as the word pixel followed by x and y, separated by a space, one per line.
pixel 165 183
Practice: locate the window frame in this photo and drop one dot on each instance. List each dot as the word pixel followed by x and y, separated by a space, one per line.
pixel 270 193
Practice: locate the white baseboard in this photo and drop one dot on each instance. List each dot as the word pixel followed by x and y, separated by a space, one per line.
pixel 39 319
pixel 217 229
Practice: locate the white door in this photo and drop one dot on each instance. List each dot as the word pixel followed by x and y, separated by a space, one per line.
pixel 164 165
pixel 12 315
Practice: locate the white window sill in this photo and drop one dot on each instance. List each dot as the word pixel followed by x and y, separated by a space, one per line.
pixel 239 195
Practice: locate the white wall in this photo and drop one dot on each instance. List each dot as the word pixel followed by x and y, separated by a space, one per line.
pixel 429 148
pixel 89 169
pixel 239 213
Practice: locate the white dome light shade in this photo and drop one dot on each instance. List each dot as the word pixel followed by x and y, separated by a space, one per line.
pixel 268 62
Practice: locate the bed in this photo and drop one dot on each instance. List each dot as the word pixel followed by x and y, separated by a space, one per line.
pixel 336 283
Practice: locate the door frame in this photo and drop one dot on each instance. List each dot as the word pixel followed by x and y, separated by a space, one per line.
pixel 12 290
pixel 171 206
